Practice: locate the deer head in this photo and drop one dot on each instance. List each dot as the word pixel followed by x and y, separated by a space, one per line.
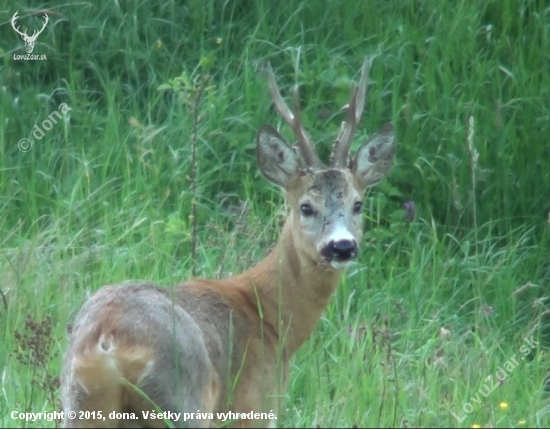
pixel 29 40
pixel 325 201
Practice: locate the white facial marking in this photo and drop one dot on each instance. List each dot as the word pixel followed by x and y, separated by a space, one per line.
pixel 341 265
pixel 340 233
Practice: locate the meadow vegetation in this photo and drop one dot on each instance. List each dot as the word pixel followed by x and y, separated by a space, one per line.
pixel 455 261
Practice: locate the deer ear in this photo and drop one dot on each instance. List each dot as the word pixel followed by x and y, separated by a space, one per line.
pixel 276 159
pixel 374 159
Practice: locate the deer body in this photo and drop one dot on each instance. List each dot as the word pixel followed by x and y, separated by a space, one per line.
pixel 218 346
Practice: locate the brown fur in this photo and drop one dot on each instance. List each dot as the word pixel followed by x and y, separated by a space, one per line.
pixel 220 346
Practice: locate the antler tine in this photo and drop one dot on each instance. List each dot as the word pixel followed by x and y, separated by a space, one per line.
pixel 14 23
pixel 293 119
pixel 355 110
pixel 37 32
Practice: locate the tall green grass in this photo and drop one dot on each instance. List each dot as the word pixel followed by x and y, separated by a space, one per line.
pixel 433 306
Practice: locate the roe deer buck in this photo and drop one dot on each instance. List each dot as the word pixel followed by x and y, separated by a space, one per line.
pixel 217 346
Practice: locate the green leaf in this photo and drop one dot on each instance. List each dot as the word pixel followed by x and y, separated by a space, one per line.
pixel 164 86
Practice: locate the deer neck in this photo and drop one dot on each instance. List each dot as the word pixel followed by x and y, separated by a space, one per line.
pixel 291 290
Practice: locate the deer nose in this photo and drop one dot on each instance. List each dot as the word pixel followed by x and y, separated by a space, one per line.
pixel 341 250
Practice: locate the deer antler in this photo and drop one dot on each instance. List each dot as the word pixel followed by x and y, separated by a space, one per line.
pixel 13 21
pixel 36 33
pixel 293 119
pixel 355 110
pixel 24 35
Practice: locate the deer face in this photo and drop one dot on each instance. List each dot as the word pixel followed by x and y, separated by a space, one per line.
pixel 29 44
pixel 325 203
pixel 325 211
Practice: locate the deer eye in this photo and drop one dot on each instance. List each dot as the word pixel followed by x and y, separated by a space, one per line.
pixel 307 210
pixel 357 207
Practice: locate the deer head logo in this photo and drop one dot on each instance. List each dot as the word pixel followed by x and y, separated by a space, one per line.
pixel 29 40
